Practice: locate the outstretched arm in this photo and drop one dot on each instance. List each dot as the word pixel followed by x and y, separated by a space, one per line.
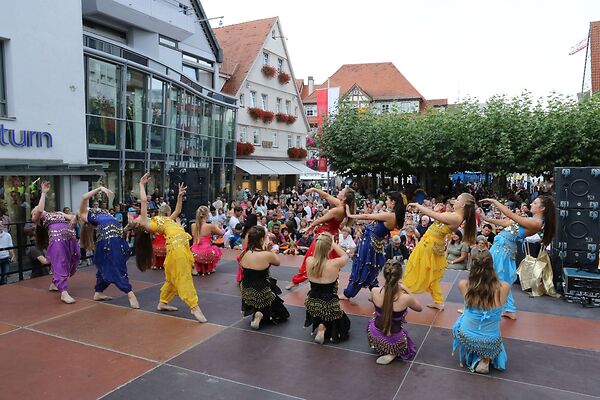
pixel 506 222
pixel 450 219
pixel 334 202
pixel 85 201
pixel 178 206
pixel 36 213
pixel 529 223
pixel 327 217
pixel 385 217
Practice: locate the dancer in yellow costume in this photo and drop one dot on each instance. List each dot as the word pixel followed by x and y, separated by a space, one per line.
pixel 178 261
pixel 426 264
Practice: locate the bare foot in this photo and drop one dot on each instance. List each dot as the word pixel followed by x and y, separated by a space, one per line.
pixel 53 288
pixel 437 306
pixel 385 360
pixel 166 307
pixel 66 298
pixel 460 311
pixel 98 296
pixel 483 366
pixel 133 301
pixel 320 336
pixel 196 312
pixel 195 273
pixel 510 315
pixel 255 324
pixel 291 286
pixel 343 297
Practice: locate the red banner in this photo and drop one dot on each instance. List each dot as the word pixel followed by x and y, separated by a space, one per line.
pixel 322 164
pixel 322 108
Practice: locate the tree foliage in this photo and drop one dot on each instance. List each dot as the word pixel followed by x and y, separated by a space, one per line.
pixel 503 136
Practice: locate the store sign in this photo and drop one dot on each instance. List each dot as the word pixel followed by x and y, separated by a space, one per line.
pixel 24 138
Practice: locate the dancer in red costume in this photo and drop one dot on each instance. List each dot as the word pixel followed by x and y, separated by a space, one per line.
pixel 329 222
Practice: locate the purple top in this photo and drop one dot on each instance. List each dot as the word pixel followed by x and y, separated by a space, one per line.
pixel 59 227
pixel 398 319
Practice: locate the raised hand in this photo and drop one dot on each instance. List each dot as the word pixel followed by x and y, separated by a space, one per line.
pixel 182 189
pixel 106 191
pixel 487 201
pixel 45 187
pixel 145 178
pixel 309 191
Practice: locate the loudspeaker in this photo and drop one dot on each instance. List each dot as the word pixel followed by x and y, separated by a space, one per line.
pixel 197 181
pixel 577 187
pixel 577 240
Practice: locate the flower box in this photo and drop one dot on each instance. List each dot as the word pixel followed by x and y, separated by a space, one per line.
pixel 288 119
pixel 256 113
pixel 244 149
pixel 297 152
pixel 283 77
pixel 268 71
pixel 268 117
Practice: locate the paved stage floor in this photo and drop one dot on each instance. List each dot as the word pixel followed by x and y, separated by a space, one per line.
pixel 88 350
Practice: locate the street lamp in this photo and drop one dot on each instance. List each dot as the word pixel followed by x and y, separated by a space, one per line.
pixel 208 19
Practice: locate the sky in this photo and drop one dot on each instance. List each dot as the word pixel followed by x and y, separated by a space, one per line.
pixel 445 48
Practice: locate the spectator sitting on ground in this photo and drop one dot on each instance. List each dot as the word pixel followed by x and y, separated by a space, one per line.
pixel 277 237
pixel 233 238
pixel 304 242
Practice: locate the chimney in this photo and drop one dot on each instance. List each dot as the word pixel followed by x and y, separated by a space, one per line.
pixel 311 84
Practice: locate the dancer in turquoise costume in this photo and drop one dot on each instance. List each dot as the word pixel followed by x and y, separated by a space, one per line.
pixel 517 228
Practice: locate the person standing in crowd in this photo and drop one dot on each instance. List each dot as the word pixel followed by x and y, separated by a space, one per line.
pixel 385 331
pixel 427 263
pixel 504 249
pixel 260 294
pixel 330 222
pixel 457 252
pixel 477 336
pixel 206 255
pixel 7 255
pixel 323 311
pixel 178 260
pixel 111 249
pixel 54 232
pixel 369 256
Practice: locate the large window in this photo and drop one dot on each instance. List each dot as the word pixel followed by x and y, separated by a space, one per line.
pixel 103 103
pixel 3 108
pixel 157 106
pixel 135 110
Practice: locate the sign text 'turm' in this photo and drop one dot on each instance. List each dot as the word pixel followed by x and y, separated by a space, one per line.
pixel 24 138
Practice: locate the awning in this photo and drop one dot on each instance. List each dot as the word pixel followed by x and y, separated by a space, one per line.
pixel 48 168
pixel 304 170
pixel 254 167
pixel 281 167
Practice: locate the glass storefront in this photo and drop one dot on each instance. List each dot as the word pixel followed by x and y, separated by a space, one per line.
pixel 19 194
pixel 138 122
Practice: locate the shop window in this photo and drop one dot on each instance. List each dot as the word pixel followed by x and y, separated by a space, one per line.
pixel 273 185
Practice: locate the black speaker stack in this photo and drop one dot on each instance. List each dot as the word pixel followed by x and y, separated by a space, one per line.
pixel 197 181
pixel 577 241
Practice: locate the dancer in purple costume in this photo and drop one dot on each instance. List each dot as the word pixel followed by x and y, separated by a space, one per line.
pixel 385 331
pixel 55 231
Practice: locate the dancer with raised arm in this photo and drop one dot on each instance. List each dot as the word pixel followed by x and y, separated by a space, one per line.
pixel 385 331
pixel 111 248
pixel 427 263
pixel 329 222
pixel 369 256
pixel 206 254
pixel 323 311
pixel 55 231
pixel 516 227
pixel 179 258
pixel 260 293
pixel 477 332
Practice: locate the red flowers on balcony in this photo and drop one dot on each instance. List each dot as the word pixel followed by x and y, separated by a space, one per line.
pixel 268 71
pixel 283 77
pixel 258 113
pixel 288 119
pixel 244 149
pixel 297 152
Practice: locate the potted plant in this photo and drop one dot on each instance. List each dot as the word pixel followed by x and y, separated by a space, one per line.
pixel 281 117
pixel 255 113
pixel 297 152
pixel 291 119
pixel 283 77
pixel 268 71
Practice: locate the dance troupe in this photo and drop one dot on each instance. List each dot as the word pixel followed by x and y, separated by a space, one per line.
pixel 486 292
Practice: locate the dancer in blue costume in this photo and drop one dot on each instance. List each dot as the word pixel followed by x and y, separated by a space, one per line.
pixel 517 228
pixel 369 256
pixel 111 251
pixel 476 333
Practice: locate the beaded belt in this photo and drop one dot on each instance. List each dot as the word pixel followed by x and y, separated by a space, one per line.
pixel 178 241
pixel 61 234
pixel 109 231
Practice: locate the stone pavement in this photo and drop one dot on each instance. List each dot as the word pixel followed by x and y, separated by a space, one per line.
pixel 88 350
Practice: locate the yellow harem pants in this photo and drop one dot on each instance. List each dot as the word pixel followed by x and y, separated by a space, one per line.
pixel 178 278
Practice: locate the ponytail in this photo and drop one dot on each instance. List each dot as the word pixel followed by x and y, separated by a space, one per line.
pixel 470 231
pixel 392 272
